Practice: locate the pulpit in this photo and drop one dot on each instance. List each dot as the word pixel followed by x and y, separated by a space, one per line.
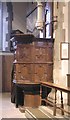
pixel 33 63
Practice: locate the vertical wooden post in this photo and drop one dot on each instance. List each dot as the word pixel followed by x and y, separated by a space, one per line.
pixel 54 111
pixel 40 94
pixel 62 106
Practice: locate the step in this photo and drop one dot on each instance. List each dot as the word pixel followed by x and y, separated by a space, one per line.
pixel 35 113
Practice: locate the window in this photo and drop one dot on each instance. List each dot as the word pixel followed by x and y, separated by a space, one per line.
pixel 0 26
pixel 48 20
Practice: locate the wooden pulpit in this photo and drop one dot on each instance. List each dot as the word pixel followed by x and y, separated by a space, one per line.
pixel 33 63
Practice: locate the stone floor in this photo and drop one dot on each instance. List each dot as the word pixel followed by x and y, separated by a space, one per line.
pixel 8 109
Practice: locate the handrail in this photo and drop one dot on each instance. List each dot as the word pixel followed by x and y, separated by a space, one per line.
pixel 61 89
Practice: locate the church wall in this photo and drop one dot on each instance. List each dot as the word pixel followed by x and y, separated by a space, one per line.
pixel 19 16
pixel 69 35
pixel 6 58
pixel 7 62
pixel 5 55
pixel 60 70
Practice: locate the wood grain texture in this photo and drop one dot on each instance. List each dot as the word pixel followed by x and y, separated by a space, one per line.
pixel 7 61
pixel 32 101
pixel 34 61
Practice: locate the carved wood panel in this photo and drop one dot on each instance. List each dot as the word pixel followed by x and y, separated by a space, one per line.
pixel 40 72
pixel 34 57
pixel 40 52
pixel 40 55
pixel 23 72
pixel 43 72
pixel 23 53
pixel 49 52
pixel 49 72
pixel 38 58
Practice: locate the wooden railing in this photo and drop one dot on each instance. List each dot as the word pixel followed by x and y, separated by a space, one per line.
pixel 61 89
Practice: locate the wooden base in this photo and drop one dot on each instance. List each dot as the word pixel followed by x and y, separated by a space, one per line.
pixel 32 100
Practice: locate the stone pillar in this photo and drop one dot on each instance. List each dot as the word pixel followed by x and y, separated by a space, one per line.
pixel 69 36
pixel 39 23
pixel 61 35
pixel 68 75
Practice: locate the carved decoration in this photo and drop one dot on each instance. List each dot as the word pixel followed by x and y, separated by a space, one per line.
pixel 40 54
pixel 34 61
pixel 49 72
pixel 40 72
pixel 43 72
pixel 23 72
pixel 23 53
pixel 49 52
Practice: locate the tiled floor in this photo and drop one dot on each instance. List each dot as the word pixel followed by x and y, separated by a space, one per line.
pixel 8 109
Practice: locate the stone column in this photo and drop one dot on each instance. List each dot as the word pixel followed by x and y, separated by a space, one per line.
pixel 39 23
pixel 61 35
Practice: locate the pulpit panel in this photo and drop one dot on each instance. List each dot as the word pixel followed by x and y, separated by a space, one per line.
pixel 43 72
pixel 49 52
pixel 23 53
pixel 49 72
pixel 23 72
pixel 40 72
pixel 40 52
pixel 34 59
